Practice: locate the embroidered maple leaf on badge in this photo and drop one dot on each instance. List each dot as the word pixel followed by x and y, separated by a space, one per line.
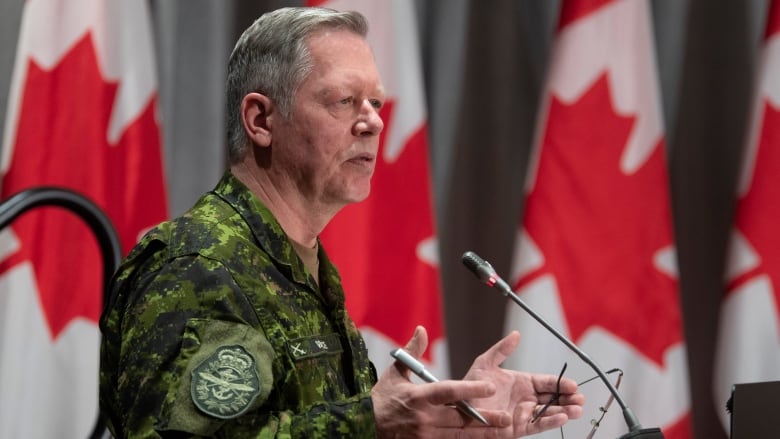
pixel 609 225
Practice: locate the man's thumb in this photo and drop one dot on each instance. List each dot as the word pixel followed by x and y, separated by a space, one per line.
pixel 418 343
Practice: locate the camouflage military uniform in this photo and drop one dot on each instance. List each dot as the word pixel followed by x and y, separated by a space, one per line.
pixel 215 328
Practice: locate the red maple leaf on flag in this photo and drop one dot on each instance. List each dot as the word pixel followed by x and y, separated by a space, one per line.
pixel 390 225
pixel 573 11
pixel 608 225
pixel 761 230
pixel 61 140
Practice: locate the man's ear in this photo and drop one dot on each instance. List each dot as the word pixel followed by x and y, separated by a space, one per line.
pixel 257 113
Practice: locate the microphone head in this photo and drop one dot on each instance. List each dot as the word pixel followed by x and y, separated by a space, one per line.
pixel 481 268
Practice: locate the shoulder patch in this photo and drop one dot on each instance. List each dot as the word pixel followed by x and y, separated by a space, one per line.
pixel 226 383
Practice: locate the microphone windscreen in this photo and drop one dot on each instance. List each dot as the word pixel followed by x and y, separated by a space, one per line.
pixel 481 268
pixel 472 261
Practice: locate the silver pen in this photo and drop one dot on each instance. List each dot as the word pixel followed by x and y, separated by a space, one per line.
pixel 419 370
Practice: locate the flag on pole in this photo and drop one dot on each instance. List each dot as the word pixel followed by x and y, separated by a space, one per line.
pixel 748 343
pixel 385 247
pixel 81 115
pixel 595 252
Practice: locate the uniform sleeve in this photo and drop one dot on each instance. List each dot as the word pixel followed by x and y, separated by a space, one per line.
pixel 192 363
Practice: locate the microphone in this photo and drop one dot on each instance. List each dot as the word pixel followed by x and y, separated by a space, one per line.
pixel 485 273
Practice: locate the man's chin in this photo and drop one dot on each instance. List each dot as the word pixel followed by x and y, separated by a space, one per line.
pixel 361 197
pixel 358 194
pixel 347 194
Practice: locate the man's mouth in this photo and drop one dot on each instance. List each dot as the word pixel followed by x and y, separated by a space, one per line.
pixel 363 158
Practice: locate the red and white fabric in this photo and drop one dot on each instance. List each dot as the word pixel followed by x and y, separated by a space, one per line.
pixel 595 252
pixel 748 341
pixel 385 247
pixel 81 115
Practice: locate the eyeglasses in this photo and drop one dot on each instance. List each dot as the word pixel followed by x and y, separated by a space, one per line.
pixel 554 400
pixel 595 423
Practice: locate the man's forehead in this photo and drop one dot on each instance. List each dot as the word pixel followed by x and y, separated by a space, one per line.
pixel 343 54
pixel 325 39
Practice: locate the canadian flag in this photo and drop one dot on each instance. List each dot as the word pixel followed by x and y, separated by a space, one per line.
pixel 748 346
pixel 595 251
pixel 81 115
pixel 385 247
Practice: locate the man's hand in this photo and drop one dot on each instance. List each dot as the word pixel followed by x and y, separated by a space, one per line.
pixel 520 393
pixel 406 409
pixel 506 398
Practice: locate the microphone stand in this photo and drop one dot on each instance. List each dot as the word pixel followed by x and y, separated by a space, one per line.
pixel 92 215
pixel 485 273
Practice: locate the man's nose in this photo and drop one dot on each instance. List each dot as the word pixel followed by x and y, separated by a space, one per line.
pixel 369 123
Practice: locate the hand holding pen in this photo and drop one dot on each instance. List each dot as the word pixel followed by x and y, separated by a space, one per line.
pixel 507 398
pixel 419 369
pixel 404 408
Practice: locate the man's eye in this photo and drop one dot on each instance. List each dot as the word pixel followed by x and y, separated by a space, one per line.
pixel 345 101
pixel 376 103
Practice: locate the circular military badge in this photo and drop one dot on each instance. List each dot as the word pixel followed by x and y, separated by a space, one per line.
pixel 226 383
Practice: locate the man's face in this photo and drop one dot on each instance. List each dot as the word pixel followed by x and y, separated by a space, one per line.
pixel 330 144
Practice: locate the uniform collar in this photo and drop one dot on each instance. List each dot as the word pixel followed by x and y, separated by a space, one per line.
pixel 270 236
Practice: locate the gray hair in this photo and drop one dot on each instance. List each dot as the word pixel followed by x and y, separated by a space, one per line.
pixel 271 57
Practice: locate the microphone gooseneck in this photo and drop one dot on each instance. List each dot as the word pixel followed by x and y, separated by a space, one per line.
pixel 485 273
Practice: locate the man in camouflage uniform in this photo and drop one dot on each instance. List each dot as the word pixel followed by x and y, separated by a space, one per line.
pixel 230 320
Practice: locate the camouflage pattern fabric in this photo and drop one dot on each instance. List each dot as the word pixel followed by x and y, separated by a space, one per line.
pixel 214 328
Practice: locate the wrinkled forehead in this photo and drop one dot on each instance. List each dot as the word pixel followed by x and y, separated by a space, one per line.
pixel 327 41
pixel 342 52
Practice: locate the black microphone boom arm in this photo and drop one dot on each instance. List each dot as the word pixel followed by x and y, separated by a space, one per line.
pixel 485 273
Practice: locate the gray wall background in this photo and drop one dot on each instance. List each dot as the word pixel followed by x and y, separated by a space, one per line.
pixel 484 67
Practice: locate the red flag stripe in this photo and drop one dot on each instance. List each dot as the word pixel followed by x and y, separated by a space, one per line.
pixel 573 11
pixel 383 245
pixel 773 20
pixel 749 325
pixel 596 246
pixel 82 115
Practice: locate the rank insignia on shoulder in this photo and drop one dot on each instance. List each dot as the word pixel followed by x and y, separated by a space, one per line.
pixel 314 346
pixel 226 383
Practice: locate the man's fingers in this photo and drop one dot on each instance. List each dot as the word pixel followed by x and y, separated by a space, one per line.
pixel 494 418
pixel 414 347
pixel 449 391
pixel 549 384
pixel 497 353
pixel 547 421
pixel 450 417
pixel 574 401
